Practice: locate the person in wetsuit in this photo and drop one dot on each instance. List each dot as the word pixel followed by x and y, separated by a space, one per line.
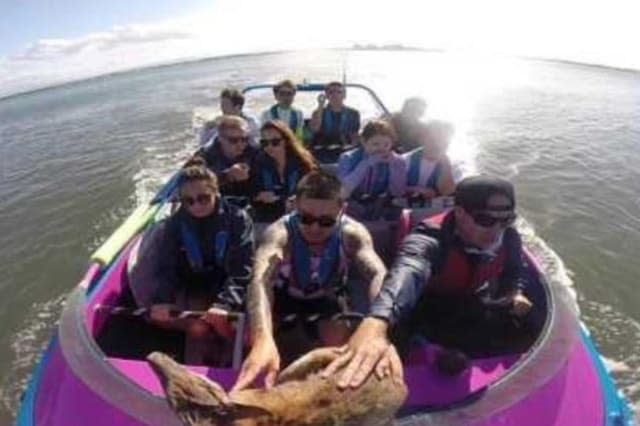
pixel 301 270
pixel 230 156
pixel 373 174
pixel 334 125
pixel 459 280
pixel 231 103
pixel 429 170
pixel 279 166
pixel 199 258
pixel 285 93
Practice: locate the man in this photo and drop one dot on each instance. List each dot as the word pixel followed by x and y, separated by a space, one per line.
pixel 231 103
pixel 473 259
pixel 285 92
pixel 333 124
pixel 406 123
pixel 301 268
pixel 230 156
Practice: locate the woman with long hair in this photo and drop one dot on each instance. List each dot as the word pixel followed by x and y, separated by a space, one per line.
pixel 281 163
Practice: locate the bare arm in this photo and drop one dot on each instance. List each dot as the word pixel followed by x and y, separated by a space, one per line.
pixel 359 247
pixel 264 356
pixel 268 257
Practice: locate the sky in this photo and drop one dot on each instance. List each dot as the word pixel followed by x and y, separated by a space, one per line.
pixel 45 42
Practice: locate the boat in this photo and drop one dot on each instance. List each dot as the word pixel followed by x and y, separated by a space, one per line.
pixel 93 370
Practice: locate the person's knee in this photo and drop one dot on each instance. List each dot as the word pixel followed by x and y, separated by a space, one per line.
pixel 197 329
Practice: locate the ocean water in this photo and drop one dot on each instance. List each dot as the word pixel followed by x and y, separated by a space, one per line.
pixel 76 159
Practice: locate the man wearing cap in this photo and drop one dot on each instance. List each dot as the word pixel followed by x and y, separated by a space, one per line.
pixel 451 274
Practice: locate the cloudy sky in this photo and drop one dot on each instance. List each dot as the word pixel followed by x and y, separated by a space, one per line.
pixel 45 42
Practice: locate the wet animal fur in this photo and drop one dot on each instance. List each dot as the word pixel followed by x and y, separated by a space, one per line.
pixel 300 397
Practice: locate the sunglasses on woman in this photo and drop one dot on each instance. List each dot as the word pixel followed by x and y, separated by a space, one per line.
pixel 274 142
pixel 202 199
pixel 487 221
pixel 324 221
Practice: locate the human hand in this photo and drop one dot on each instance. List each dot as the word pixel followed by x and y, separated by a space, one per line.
pixel 321 100
pixel 427 192
pixel 366 348
pixel 290 203
pixel 263 358
pixel 521 305
pixel 161 312
pixel 238 172
pixel 219 322
pixel 267 197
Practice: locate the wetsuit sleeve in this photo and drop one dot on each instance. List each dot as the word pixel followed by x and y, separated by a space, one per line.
pixel 351 180
pixel 160 249
pixel 514 275
pixel 405 281
pixel 238 263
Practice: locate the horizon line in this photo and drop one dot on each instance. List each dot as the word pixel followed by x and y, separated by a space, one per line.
pixel 357 46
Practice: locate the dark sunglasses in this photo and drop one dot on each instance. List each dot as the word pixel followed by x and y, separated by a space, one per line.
pixel 324 221
pixel 286 93
pixel 273 142
pixel 237 140
pixel 202 199
pixel 487 221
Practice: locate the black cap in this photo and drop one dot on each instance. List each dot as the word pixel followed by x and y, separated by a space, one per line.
pixel 472 193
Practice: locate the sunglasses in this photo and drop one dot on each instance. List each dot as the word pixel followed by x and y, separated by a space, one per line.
pixel 202 199
pixel 236 140
pixel 273 142
pixel 286 93
pixel 324 221
pixel 487 221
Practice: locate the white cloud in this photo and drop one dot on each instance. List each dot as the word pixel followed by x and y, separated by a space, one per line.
pixel 595 32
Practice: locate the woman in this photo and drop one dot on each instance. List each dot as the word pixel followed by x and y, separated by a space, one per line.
pixel 373 173
pixel 197 259
pixel 280 164
pixel 429 171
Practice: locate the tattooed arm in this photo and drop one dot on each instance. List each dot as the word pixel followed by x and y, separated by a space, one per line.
pixel 359 248
pixel 264 356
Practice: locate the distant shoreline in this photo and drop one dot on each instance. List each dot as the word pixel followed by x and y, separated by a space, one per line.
pixel 355 47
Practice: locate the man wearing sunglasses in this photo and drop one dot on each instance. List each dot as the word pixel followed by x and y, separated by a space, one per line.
pixel 458 280
pixel 334 124
pixel 285 93
pixel 301 270
pixel 230 156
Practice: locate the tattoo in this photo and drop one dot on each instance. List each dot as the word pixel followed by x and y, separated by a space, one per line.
pixel 359 247
pixel 265 266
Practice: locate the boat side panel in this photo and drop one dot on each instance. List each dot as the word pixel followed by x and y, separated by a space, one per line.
pixel 618 411
pixel 63 400
pixel 572 398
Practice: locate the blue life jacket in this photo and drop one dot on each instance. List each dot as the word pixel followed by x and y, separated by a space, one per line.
pixel 413 175
pixel 379 183
pixel 330 261
pixel 194 253
pixel 271 180
pixel 343 127
pixel 293 117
